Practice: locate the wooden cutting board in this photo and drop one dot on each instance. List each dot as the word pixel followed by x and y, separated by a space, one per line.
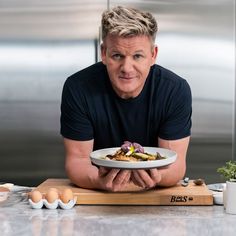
pixel 177 195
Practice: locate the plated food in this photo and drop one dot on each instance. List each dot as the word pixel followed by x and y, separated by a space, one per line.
pixel 133 156
pixel 133 152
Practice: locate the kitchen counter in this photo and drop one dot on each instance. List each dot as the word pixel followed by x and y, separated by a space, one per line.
pixel 20 219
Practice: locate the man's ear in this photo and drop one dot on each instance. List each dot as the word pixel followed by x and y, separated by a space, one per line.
pixel 154 54
pixel 103 53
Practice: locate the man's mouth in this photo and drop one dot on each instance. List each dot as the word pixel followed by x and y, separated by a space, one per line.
pixel 126 77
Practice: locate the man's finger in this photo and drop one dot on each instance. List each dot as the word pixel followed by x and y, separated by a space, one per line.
pixel 103 171
pixel 138 179
pixel 111 175
pixel 148 181
pixel 127 179
pixel 155 175
pixel 121 177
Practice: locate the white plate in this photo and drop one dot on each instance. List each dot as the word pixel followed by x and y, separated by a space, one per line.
pixel 97 159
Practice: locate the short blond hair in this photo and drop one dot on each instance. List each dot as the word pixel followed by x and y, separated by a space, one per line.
pixel 128 22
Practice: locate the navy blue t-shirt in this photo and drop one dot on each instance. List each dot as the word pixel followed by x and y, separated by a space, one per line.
pixel 90 109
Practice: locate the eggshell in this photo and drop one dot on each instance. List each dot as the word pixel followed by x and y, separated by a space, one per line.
pixel 3 196
pixel 36 196
pixel 54 189
pixel 66 195
pixel 51 195
pixel 4 189
pixel 7 185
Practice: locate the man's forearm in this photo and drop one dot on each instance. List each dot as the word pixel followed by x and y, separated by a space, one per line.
pixel 82 173
pixel 172 175
pixel 176 171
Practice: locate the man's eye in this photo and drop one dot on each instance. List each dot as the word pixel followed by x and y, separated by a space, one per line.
pixel 138 56
pixel 116 56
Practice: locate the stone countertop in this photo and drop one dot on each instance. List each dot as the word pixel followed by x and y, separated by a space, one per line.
pixel 20 219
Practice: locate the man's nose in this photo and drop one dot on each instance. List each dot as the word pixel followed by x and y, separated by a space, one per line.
pixel 127 65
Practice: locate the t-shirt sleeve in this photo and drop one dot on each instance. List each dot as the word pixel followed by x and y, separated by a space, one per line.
pixel 177 123
pixel 74 120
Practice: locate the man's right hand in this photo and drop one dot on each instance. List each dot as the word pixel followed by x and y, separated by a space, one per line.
pixel 113 180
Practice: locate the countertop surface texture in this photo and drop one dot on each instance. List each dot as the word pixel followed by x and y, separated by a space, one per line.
pixel 19 218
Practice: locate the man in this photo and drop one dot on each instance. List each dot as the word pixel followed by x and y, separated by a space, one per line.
pixel 126 97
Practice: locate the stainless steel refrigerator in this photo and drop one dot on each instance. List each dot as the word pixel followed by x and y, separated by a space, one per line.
pixel 43 42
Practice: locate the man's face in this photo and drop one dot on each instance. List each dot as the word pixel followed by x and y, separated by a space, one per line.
pixel 128 61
